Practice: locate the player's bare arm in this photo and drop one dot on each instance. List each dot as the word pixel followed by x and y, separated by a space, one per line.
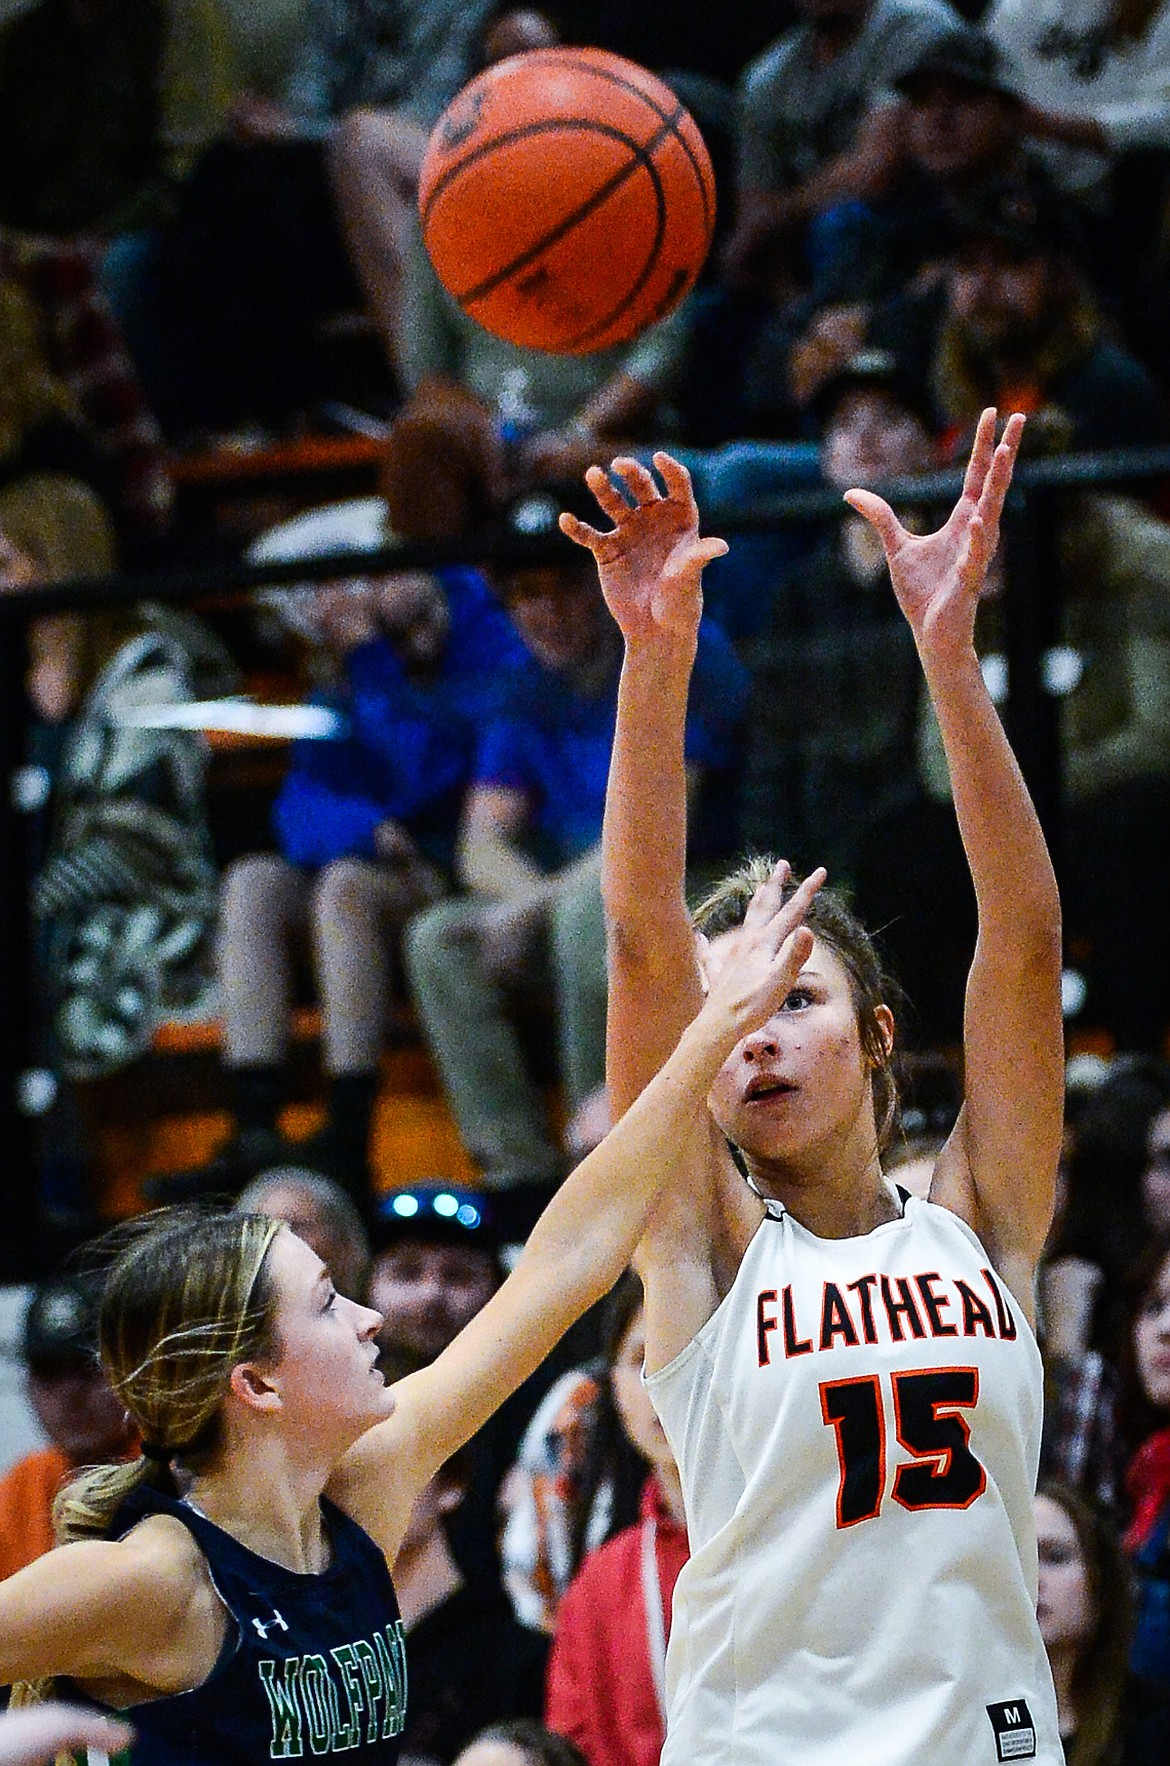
pixel 586 1235
pixel 132 1619
pixel 999 1169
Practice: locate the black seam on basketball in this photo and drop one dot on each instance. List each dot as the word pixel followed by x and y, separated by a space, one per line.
pixel 546 126
pixel 641 156
pixel 651 264
pixel 604 73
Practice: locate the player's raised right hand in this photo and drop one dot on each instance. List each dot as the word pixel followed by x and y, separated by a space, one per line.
pixel 651 563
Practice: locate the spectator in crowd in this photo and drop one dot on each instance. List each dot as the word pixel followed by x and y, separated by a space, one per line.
pixel 84 1420
pixel 522 1743
pixel 578 1477
pixel 1015 319
pixel 104 109
pixel 606 1673
pixel 531 922
pixel 260 258
pixel 484 417
pixel 469 1662
pixel 365 826
pixel 1086 1621
pixel 1094 74
pixel 1156 1175
pixel 436 1263
pixel 1146 1415
pixel 320 1212
pixel 815 123
pixel 835 686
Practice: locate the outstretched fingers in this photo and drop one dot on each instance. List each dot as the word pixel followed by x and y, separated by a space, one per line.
pixel 581 533
pixel 677 480
pixel 982 453
pixel 610 499
pixel 880 516
pixel 638 481
pixel 999 476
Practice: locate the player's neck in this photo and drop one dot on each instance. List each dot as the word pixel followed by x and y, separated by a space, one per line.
pixel 835 1190
pixel 270 1503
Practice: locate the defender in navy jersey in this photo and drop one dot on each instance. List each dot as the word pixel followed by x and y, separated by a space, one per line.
pixel 848 1379
pixel 229 1589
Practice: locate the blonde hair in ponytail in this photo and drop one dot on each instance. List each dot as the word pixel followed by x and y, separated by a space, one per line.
pixel 187 1297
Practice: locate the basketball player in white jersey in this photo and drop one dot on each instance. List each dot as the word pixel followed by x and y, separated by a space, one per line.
pixel 848 1375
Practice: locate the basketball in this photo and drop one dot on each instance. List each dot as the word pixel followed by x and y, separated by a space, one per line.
pixel 567 200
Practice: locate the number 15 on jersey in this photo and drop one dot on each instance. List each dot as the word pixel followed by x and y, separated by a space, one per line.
pixel 928 1407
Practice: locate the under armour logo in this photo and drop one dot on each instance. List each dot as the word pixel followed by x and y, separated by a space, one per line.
pixel 276 1620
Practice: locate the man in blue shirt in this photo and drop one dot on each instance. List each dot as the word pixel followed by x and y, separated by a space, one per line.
pixel 530 929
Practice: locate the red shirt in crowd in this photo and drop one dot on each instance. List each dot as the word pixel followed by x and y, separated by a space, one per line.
pixel 601 1690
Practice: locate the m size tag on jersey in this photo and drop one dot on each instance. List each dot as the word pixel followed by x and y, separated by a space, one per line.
pixel 1015 1733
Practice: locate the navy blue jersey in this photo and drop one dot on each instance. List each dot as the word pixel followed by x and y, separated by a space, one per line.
pixel 311 1664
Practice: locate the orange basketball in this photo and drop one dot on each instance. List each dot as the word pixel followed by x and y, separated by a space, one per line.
pixel 567 199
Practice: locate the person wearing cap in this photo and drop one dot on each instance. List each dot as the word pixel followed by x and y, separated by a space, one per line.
pixel 1013 318
pixel 364 827
pixel 528 934
pixel 84 1420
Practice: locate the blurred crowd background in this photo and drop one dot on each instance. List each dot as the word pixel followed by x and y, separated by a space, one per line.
pixel 311 873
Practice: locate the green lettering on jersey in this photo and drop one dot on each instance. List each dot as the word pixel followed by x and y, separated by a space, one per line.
pixel 319 1698
pixel 391 1647
pixel 349 1733
pixel 378 1688
pixel 284 1707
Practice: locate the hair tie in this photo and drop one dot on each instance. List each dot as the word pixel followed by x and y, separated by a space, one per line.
pixel 161 1455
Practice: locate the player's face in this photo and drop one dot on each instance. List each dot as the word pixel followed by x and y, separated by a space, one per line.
pixel 1063 1604
pixel 999 297
pixel 326 1373
pixel 952 128
pixel 801 1085
pixel 1156 1176
pixel 1151 1340
pixel 426 1293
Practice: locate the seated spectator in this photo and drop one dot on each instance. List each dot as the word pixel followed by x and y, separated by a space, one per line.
pixel 530 927
pixel 485 418
pixel 104 109
pixel 1094 75
pixel 522 1743
pixel 1156 1175
pixel 1014 323
pixel 1146 1413
pixel 835 684
pixel 83 1418
pixel 578 1476
pixel 320 1212
pixel 365 827
pixel 1086 1621
pixel 815 125
pixel 300 185
pixel 469 1662
pixel 606 1673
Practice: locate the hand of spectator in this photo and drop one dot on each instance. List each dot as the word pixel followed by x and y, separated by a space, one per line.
pixel 938 578
pixel 41 1732
pixel 558 453
pixel 394 845
pixel 833 339
pixel 255 118
pixel 507 932
pixel 345 614
pixel 651 564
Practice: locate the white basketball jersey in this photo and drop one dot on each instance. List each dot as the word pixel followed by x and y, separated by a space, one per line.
pixel 858 1432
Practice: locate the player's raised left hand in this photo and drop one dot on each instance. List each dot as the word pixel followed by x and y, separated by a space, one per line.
pixel 939 577
pixel 651 563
